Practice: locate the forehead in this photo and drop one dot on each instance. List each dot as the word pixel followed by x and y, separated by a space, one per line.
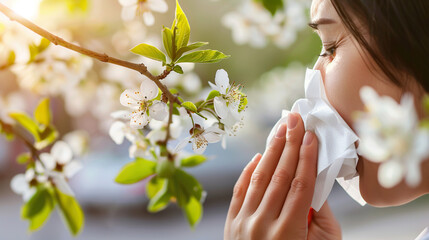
pixel 322 9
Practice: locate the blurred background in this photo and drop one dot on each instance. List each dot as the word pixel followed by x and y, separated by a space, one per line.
pixel 268 57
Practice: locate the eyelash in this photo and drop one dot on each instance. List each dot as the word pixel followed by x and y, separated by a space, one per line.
pixel 330 51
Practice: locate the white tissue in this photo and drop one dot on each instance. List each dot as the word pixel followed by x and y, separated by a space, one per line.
pixel 337 151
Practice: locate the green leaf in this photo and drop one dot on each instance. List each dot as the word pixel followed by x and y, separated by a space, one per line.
pixel 70 211
pixel 190 184
pixel 190 106
pixel 149 51
pixel 424 124
pixel 193 211
pixel 153 186
pixel 38 209
pixel 272 5
pixel 7 130
pixel 161 199
pixel 183 29
pixel 136 171
pixel 167 39
pixel 25 121
pixel 190 47
pixel 47 137
pixel 193 161
pixel 203 56
pixel 43 45
pixel 165 168
pixel 213 94
pixel 178 69
pixel 42 114
pixel 23 158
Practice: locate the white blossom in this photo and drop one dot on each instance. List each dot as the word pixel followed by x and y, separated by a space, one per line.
pixel 142 8
pixel 227 104
pixel 21 184
pixel 143 107
pixel 59 166
pixel 389 134
pixel 10 103
pixel 200 138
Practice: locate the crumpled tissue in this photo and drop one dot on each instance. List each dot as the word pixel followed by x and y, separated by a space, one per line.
pixel 337 152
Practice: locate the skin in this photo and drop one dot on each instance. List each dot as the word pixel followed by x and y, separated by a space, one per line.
pixel 272 197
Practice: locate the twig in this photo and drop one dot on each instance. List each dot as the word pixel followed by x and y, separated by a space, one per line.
pixel 139 67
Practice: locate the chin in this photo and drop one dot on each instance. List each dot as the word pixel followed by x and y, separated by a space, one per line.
pixel 378 196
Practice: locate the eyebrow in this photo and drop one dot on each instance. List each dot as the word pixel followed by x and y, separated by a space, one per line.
pixel 321 21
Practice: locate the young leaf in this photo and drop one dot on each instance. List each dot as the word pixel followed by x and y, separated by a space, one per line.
pixel 426 103
pixel 213 94
pixel 161 199
pixel 272 5
pixel 25 121
pixel 203 56
pixel 38 209
pixel 178 69
pixel 193 161
pixel 42 114
pixel 190 47
pixel 70 211
pixel 149 51
pixel 183 29
pixel 136 171
pixel 165 169
pixel 193 211
pixel 190 106
pixel 47 137
pixel 23 158
pixel 153 186
pixel 190 184
pixel 167 39
pixel 7 130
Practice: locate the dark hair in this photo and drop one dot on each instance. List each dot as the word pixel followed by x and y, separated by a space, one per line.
pixel 398 33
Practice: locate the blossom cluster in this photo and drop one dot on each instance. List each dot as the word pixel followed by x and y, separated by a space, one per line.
pixel 253 24
pixel 390 134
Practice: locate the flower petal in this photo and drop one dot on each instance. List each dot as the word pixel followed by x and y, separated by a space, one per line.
pixel 128 2
pixel 390 173
pixel 214 87
pixel 139 120
pixel 182 144
pixel 72 168
pixel 48 161
pixel 222 80
pixel 199 146
pixel 148 89
pixel 128 13
pixel 212 137
pixel 29 194
pixel 62 185
pixel 62 152
pixel 117 133
pixel 148 18
pixel 220 107
pixel 158 5
pixel 121 115
pixel 131 98
pixel 19 184
pixel 158 111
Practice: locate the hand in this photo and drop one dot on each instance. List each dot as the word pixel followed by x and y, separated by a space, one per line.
pixel 272 197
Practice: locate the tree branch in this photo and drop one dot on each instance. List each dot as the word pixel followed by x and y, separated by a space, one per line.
pixel 139 67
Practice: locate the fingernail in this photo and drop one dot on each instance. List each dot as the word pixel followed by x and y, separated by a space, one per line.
pixel 292 120
pixel 281 131
pixel 308 138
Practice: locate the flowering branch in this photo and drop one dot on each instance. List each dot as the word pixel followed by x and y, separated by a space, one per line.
pixel 139 67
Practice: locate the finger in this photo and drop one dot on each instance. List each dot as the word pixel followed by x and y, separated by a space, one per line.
pixel 301 191
pixel 241 186
pixel 274 198
pixel 263 172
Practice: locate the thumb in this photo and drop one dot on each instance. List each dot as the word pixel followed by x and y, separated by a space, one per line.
pixel 324 223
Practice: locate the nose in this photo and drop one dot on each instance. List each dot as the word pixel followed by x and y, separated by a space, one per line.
pixel 320 66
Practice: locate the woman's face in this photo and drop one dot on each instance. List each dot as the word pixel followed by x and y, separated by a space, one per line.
pixel 345 69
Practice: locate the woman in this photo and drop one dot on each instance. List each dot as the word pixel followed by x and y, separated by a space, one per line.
pixel 378 43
